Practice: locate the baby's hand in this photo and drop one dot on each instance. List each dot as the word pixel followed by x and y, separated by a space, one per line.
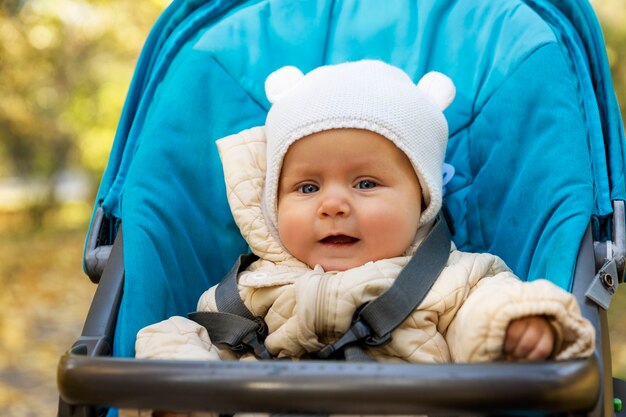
pixel 529 338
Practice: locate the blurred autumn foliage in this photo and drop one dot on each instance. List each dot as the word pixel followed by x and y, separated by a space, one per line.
pixel 65 66
pixel 612 15
pixel 45 299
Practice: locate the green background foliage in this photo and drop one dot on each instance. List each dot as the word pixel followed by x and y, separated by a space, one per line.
pixel 65 66
pixel 612 15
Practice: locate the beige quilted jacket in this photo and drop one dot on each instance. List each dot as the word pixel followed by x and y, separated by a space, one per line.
pixel 462 319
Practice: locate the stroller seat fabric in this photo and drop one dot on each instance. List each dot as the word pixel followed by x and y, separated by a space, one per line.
pixel 522 187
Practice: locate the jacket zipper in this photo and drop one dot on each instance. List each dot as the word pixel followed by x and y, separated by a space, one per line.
pixel 320 306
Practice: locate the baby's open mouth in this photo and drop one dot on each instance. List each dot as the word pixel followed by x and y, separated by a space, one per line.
pixel 339 240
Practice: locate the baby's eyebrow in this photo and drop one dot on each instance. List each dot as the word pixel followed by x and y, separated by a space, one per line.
pixel 301 170
pixel 288 180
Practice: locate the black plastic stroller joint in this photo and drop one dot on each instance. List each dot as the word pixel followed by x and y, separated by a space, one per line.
pixel 102 232
pixel 610 257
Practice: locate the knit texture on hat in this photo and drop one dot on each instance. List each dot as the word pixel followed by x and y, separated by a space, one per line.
pixel 370 95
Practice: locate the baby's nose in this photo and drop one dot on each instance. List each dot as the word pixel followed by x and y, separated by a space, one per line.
pixel 334 203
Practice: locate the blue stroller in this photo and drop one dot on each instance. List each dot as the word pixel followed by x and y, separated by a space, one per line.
pixel 536 141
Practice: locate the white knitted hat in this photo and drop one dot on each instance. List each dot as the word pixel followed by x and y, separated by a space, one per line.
pixel 370 95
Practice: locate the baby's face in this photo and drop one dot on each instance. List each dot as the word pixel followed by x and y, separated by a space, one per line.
pixel 347 197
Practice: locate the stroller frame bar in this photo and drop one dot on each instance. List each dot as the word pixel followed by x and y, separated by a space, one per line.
pixel 330 387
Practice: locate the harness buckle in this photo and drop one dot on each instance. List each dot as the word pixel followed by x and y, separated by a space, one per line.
pixel 378 340
pixel 261 329
pixel 253 341
pixel 359 331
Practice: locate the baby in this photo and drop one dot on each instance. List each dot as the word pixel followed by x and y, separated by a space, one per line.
pixel 334 194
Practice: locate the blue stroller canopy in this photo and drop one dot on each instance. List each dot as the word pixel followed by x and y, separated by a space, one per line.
pixel 535 134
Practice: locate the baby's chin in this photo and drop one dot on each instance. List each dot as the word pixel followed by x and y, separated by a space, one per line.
pixel 341 265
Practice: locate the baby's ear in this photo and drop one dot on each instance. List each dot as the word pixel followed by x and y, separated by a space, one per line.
pixel 281 81
pixel 439 88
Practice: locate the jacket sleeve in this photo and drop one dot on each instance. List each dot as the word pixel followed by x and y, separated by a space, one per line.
pixel 175 338
pixel 476 334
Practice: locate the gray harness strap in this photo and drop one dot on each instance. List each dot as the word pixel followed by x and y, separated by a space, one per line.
pixel 235 326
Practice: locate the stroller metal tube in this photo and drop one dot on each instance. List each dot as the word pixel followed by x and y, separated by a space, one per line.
pixel 619 236
pixel 330 387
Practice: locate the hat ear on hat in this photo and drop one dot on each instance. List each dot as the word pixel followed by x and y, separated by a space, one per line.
pixel 439 88
pixel 281 81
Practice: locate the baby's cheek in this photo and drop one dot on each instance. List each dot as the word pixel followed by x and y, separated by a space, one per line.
pixel 397 228
pixel 292 231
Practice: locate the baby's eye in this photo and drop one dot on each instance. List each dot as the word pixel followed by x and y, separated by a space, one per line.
pixel 366 184
pixel 308 188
